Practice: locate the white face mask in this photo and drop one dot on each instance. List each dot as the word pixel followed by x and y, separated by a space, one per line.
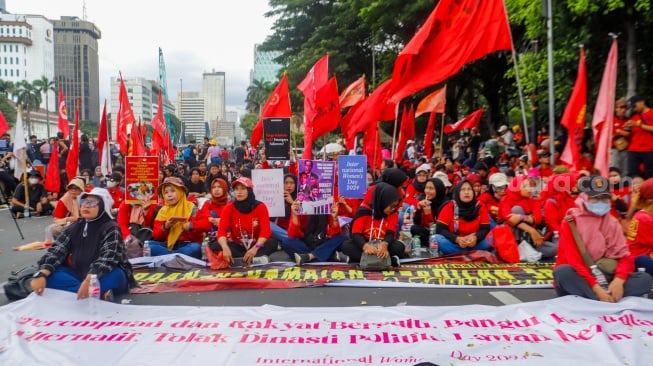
pixel 33 181
pixel 111 184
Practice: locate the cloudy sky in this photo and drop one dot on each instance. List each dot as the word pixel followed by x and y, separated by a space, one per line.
pixel 196 36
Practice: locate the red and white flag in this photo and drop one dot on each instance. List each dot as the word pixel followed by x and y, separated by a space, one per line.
pixel 103 143
pixel 72 161
pixel 278 105
pixel 470 121
pixel 604 113
pixel 124 118
pixel 63 124
pixel 353 93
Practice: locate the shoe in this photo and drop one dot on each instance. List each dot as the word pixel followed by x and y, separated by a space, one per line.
pixel 302 258
pixel 264 259
pixel 394 261
pixel 342 257
pixel 108 296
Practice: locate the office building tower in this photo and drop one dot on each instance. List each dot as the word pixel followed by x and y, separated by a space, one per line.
pixel 213 92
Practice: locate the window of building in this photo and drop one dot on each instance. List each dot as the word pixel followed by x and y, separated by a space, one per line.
pixel 12 72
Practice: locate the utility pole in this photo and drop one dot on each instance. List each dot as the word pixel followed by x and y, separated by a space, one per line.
pixel 549 42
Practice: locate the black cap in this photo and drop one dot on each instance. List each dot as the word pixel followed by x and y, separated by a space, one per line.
pixel 34 173
pixel 114 177
pixel 635 98
pixel 594 186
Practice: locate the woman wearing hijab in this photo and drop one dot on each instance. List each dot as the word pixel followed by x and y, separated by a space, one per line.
pixel 604 242
pixel 247 222
pixel 415 191
pixel 376 220
pixel 218 198
pixel 427 210
pixel 463 223
pixel 289 196
pixel 497 187
pixel 179 226
pixel 66 211
pixel 92 245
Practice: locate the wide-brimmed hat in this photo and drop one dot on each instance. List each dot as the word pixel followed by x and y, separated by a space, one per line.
pixel 76 182
pixel 595 186
pixel 174 181
pixel 244 181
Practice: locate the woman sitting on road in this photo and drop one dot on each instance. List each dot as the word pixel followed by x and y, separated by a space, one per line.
pixel 248 223
pixel 428 209
pixel 213 207
pixel 66 211
pixel 497 187
pixel 179 226
pixel 89 246
pixel 463 223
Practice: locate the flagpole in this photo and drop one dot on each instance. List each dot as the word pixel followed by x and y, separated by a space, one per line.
pixel 377 141
pixel 108 147
pixel 441 135
pixel 394 131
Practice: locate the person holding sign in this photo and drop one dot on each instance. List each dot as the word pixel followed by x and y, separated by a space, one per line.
pixel 376 221
pixel 248 223
pixel 179 226
pixel 313 237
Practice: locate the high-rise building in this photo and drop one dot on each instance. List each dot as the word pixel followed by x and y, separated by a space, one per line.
pixel 190 110
pixel 266 69
pixel 76 64
pixel 3 7
pixel 227 129
pixel 213 91
pixel 26 54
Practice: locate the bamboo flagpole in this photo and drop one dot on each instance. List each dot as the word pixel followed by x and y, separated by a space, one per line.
pixel 441 135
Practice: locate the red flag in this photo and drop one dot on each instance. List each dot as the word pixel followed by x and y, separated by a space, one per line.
pixel 574 116
pixel 124 118
pixel 52 181
pixel 345 124
pixel 353 93
pixel 4 126
pixel 456 33
pixel 328 109
pixel 428 138
pixel 102 143
pixel 470 121
pixel 373 109
pixel 433 103
pixel 372 146
pixel 315 79
pixel 72 161
pixel 159 128
pixel 136 141
pixel 278 105
pixel 603 113
pixel 63 115
pixel 406 132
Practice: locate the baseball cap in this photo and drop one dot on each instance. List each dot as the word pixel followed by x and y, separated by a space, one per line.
pixel 498 180
pixel 646 189
pixel 503 128
pixel 114 177
pixel 244 181
pixel 595 186
pixel 35 173
pixel 443 177
pixel 423 168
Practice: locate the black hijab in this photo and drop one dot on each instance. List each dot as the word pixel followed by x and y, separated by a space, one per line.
pixel 384 194
pixel 393 176
pixel 249 204
pixel 468 211
pixel 440 192
pixel 419 187
pixel 293 194
pixel 86 240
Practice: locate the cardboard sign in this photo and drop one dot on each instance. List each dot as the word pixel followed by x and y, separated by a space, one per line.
pixel 141 179
pixel 268 188
pixel 276 138
pixel 352 175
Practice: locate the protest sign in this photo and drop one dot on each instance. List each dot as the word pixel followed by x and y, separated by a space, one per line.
pixel 268 188
pixel 141 179
pixel 315 187
pixel 276 138
pixel 352 176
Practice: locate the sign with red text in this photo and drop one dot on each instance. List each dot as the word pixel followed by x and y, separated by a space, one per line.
pixel 64 331
pixel 268 188
pixel 141 179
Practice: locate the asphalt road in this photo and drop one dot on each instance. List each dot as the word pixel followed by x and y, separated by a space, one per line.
pixel 33 230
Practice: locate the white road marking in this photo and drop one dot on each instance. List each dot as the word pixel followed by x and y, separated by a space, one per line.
pixel 505 297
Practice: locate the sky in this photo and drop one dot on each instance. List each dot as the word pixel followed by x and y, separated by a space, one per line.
pixel 196 36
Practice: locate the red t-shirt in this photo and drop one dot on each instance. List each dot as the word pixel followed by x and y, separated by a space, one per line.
pixel 256 223
pixel 640 234
pixel 446 217
pixel 641 140
pixel 369 227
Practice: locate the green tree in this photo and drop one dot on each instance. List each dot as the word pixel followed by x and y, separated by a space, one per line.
pixel 89 128
pixel 257 94
pixel 248 122
pixel 6 87
pixel 29 98
pixel 45 85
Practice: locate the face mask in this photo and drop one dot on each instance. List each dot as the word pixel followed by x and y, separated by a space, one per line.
pixel 111 184
pixel 599 208
pixel 33 181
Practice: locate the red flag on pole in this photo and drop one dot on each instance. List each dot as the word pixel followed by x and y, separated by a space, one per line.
pixel 345 124
pixel 278 105
pixel 159 128
pixel 316 78
pixel 406 132
pixel 63 115
pixel 136 146
pixel 353 93
pixel 4 126
pixel 372 146
pixel 574 116
pixel 456 33
pixel 103 143
pixel 428 138
pixel 373 109
pixel 72 161
pixel 433 103
pixel 470 121
pixel 52 181
pixel 327 106
pixel 124 119
pixel 603 118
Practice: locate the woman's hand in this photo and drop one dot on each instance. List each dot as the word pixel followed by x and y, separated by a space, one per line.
pixel 250 254
pixel 214 221
pixel 538 239
pixel 295 207
pixel 38 285
pixel 616 289
pixel 471 240
pixel 226 253
pixel 370 249
pixel 287 197
pixel 602 294
pixel 382 251
pixel 82 293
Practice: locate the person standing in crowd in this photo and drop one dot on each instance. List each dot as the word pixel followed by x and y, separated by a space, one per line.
pixel 179 227
pixel 604 242
pixel 213 153
pixel 38 197
pixel 33 150
pixel 620 136
pixel 85 153
pixel 640 148
pixel 46 150
pixel 91 246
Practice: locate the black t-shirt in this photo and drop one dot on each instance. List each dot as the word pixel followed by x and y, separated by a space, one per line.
pixel 35 193
pixel 198 187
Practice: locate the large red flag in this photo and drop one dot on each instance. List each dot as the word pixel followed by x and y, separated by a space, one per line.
pixel 124 119
pixel 327 106
pixel 345 124
pixel 63 115
pixel 456 33
pixel 372 146
pixel 470 121
pixel 72 161
pixel 603 113
pixel 406 132
pixel 4 126
pixel 428 137
pixel 433 103
pixel 278 105
pixel 373 109
pixel 574 116
pixel 353 93
pixel 159 128
pixel 52 181
pixel 316 78
pixel 102 143
pixel 136 141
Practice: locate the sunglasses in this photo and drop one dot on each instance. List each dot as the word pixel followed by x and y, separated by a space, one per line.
pixel 89 203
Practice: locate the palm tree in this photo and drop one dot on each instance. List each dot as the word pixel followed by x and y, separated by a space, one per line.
pixel 6 88
pixel 29 98
pixel 257 94
pixel 45 85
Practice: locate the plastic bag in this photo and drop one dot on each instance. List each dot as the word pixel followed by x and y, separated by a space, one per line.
pixel 527 253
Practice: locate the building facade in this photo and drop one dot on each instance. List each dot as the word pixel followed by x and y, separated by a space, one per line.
pixel 213 91
pixel 266 69
pixel 190 110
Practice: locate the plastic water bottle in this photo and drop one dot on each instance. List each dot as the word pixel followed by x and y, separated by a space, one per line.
pixel 205 244
pixel 417 246
pixel 642 269
pixel 600 277
pixel 94 293
pixel 26 212
pixel 147 250
pixel 433 243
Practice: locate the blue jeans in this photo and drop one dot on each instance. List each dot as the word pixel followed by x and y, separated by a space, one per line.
pixel 278 232
pixel 323 251
pixel 446 246
pixel 644 261
pixel 190 249
pixel 64 278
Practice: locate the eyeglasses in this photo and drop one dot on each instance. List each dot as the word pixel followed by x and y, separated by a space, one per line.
pixel 89 203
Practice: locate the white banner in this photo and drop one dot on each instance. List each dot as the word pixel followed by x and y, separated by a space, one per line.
pixel 56 329
pixel 268 188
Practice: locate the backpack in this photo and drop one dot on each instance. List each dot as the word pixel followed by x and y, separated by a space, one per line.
pixel 187 152
pixel 18 284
